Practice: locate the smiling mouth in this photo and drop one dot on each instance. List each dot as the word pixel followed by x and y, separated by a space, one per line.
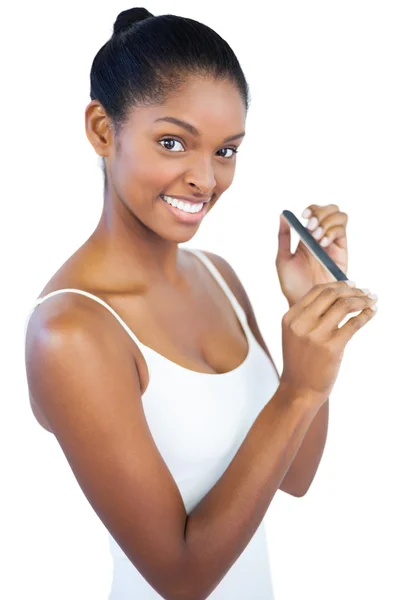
pixel 183 205
pixel 186 199
pixel 188 212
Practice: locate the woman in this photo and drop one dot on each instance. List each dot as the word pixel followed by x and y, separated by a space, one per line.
pixel 146 362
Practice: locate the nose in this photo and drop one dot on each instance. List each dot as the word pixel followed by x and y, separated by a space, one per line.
pixel 202 177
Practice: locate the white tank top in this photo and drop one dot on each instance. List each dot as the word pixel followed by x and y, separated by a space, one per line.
pixel 198 422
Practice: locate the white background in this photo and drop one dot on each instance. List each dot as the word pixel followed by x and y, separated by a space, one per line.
pixel 323 127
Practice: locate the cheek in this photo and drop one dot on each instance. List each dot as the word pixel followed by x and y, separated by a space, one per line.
pixel 134 176
pixel 152 172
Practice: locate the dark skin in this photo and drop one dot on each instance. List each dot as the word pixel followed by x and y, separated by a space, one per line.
pixel 81 362
pixel 133 261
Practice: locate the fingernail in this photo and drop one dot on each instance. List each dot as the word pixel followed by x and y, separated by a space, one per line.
pixel 312 224
pixel 306 213
pixel 351 283
pixel 317 233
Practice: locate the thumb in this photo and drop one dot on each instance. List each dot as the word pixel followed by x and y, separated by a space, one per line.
pixel 284 252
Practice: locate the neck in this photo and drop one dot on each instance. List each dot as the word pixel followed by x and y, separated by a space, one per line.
pixel 129 251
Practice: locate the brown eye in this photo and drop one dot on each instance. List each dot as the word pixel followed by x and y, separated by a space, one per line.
pixel 234 150
pixel 169 140
pixel 174 140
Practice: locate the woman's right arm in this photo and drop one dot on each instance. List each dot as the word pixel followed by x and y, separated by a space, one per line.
pixel 87 386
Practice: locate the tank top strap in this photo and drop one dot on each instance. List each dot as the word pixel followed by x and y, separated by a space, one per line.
pixel 89 295
pixel 206 261
pixel 241 314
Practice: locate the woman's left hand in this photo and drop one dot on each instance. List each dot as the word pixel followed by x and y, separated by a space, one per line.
pixel 301 271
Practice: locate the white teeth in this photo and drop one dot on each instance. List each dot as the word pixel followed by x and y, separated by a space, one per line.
pixel 188 207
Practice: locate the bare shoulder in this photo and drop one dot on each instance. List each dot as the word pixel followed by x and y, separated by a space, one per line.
pixel 55 326
pixel 66 314
pixel 231 278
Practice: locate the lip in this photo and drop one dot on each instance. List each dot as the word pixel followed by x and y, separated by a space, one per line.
pixel 183 217
pixel 189 199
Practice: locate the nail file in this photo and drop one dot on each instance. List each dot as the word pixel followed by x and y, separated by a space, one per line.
pixel 314 247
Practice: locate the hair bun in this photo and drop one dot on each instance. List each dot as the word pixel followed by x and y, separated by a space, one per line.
pixel 127 17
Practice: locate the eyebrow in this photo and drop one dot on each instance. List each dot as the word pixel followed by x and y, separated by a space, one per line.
pixel 192 129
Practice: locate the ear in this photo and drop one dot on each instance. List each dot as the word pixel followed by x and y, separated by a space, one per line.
pixel 98 128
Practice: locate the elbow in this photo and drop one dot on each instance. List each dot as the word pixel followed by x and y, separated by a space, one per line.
pixel 189 584
pixel 299 494
pixel 185 594
pixel 184 585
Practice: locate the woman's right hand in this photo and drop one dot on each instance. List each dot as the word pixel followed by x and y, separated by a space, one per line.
pixel 313 344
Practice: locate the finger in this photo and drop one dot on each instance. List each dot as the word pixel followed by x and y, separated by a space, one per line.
pixel 342 285
pixel 305 319
pixel 320 213
pixel 344 305
pixel 331 225
pixel 333 234
pixel 332 219
pixel 346 332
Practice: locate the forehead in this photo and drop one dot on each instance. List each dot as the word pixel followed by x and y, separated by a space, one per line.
pixel 212 107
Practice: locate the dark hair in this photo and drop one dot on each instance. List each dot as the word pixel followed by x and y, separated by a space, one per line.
pixel 149 57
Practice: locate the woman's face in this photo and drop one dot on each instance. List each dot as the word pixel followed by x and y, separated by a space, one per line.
pixel 154 157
